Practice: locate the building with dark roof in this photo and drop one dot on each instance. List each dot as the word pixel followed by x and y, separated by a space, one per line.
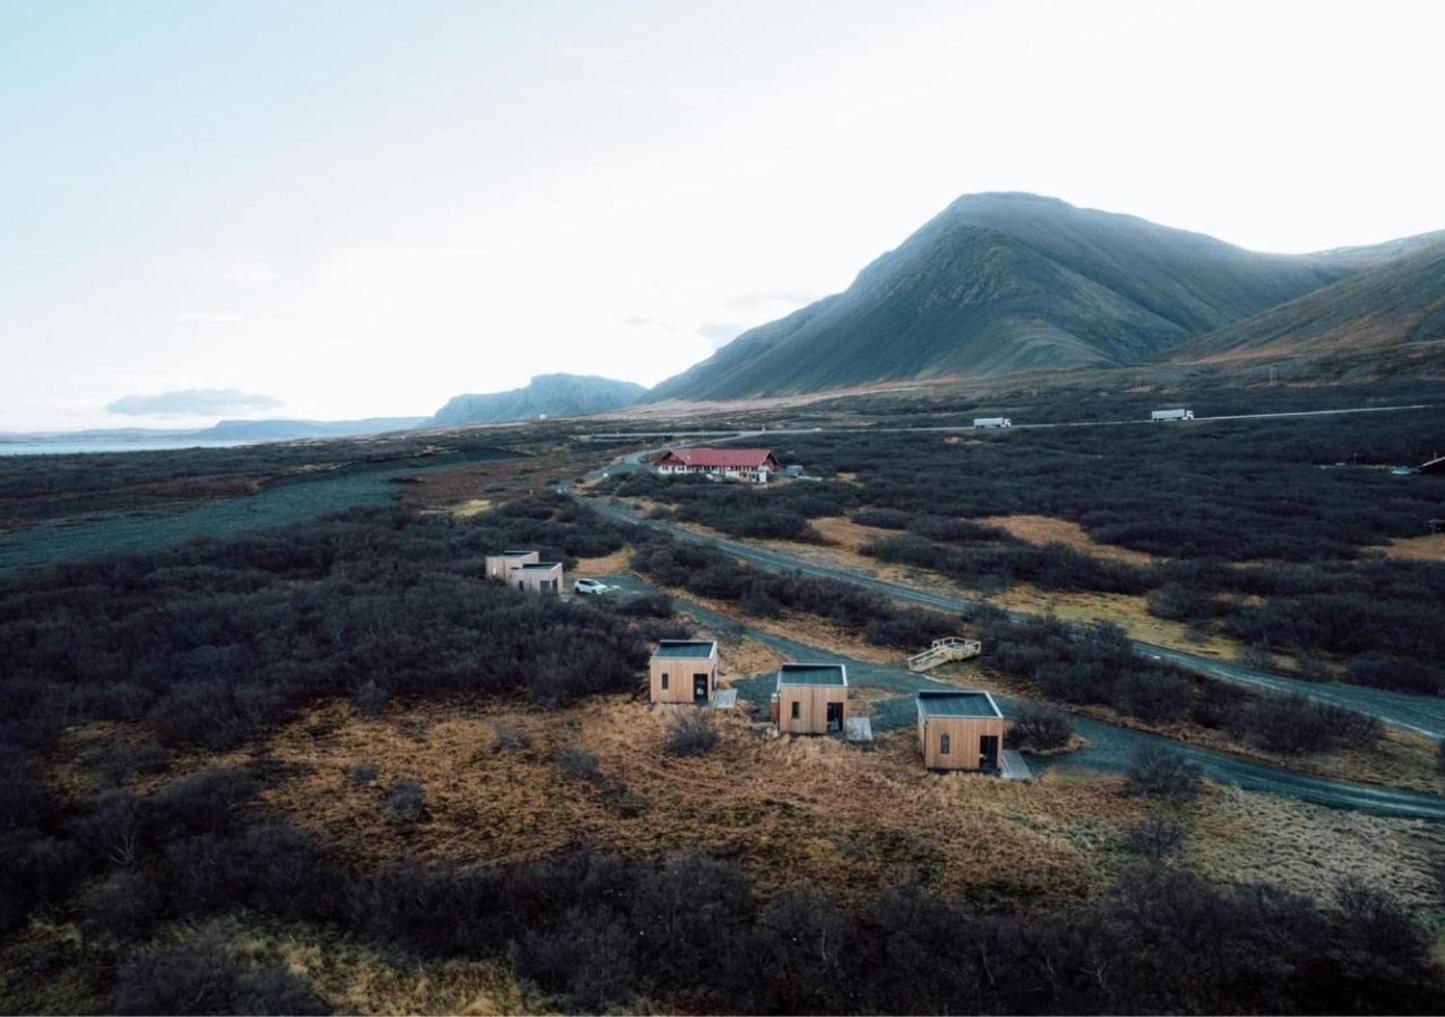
pixel 501 565
pixel 811 699
pixel 960 729
pixel 683 671
pixel 539 577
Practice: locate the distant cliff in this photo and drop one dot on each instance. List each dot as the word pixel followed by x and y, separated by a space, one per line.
pixel 552 395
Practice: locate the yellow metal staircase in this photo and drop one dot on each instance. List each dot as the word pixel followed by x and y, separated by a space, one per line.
pixel 944 651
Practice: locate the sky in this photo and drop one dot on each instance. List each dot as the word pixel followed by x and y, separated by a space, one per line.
pixel 348 209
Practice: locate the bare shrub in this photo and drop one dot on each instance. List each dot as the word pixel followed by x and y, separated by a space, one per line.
pixel 371 698
pixel 575 764
pixel 406 801
pixel 509 738
pixel 363 773
pixel 691 733
pixel 1156 839
pixel 1039 729
pixel 1159 773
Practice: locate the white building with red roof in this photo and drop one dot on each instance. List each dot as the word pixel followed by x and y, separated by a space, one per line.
pixel 752 464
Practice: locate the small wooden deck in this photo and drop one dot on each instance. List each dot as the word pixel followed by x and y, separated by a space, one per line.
pixel 944 651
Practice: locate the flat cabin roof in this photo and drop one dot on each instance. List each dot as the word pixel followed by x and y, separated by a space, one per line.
pixel 695 649
pixel 512 554
pixel 812 674
pixel 957 704
pixel 541 566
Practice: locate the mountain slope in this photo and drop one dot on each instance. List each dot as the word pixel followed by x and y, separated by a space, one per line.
pixel 1398 304
pixel 552 395
pixel 1004 282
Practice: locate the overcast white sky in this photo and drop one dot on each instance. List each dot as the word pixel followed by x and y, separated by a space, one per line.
pixel 352 209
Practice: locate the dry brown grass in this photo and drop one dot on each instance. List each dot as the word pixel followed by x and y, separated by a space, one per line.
pixel 790 810
pixel 1427 548
pixel 1243 838
pixel 1040 530
pixel 609 564
pixel 744 658
pixel 355 978
pixel 846 533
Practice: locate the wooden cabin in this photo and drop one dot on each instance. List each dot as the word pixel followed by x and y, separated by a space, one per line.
pixel 539 577
pixel 960 729
pixel 684 671
pixel 811 699
pixel 501 565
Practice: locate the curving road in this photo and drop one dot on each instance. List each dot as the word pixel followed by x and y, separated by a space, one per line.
pixel 1424 715
pixel 1111 747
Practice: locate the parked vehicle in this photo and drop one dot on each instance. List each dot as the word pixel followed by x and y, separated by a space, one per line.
pixel 1159 415
pixel 992 422
pixel 590 586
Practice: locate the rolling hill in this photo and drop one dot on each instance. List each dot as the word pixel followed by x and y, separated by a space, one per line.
pixel 551 395
pixel 1006 282
pixel 1398 306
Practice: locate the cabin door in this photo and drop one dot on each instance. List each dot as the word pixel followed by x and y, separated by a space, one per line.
pixel 988 752
pixel 699 688
pixel 835 718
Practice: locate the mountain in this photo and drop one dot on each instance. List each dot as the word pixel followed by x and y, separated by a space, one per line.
pixel 1398 306
pixel 1358 259
pixel 1005 282
pixel 551 395
pixel 225 431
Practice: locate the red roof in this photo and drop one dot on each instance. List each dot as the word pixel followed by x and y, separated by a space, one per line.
pixel 720 458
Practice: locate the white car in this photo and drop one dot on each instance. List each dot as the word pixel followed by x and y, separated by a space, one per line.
pixel 590 586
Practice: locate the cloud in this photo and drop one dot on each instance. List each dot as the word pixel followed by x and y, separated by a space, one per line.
pixel 721 333
pixel 193 402
pixel 642 321
pixel 761 298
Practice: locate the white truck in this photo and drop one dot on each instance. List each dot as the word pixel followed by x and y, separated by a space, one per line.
pixel 1159 415
pixel 992 422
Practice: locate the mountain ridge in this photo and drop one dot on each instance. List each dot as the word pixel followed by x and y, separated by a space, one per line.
pixel 550 395
pixel 1007 281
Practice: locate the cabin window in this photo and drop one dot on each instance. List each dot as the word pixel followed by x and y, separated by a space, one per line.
pixel 797 709
pixel 664 682
pixel 943 745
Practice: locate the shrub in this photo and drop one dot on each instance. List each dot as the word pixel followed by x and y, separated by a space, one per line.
pixel 1398 673
pixel 406 801
pixel 509 738
pixel 1295 725
pixel 691 733
pixel 121 908
pixel 1156 839
pixel 363 773
pixel 1039 729
pixel 645 605
pixel 200 977
pixel 1160 773
pixel 371 697
pixel 1178 602
pixel 575 764
pixel 909 629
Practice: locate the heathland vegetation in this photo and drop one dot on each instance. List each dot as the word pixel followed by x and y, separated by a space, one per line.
pixel 124 862
pixel 1263 532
